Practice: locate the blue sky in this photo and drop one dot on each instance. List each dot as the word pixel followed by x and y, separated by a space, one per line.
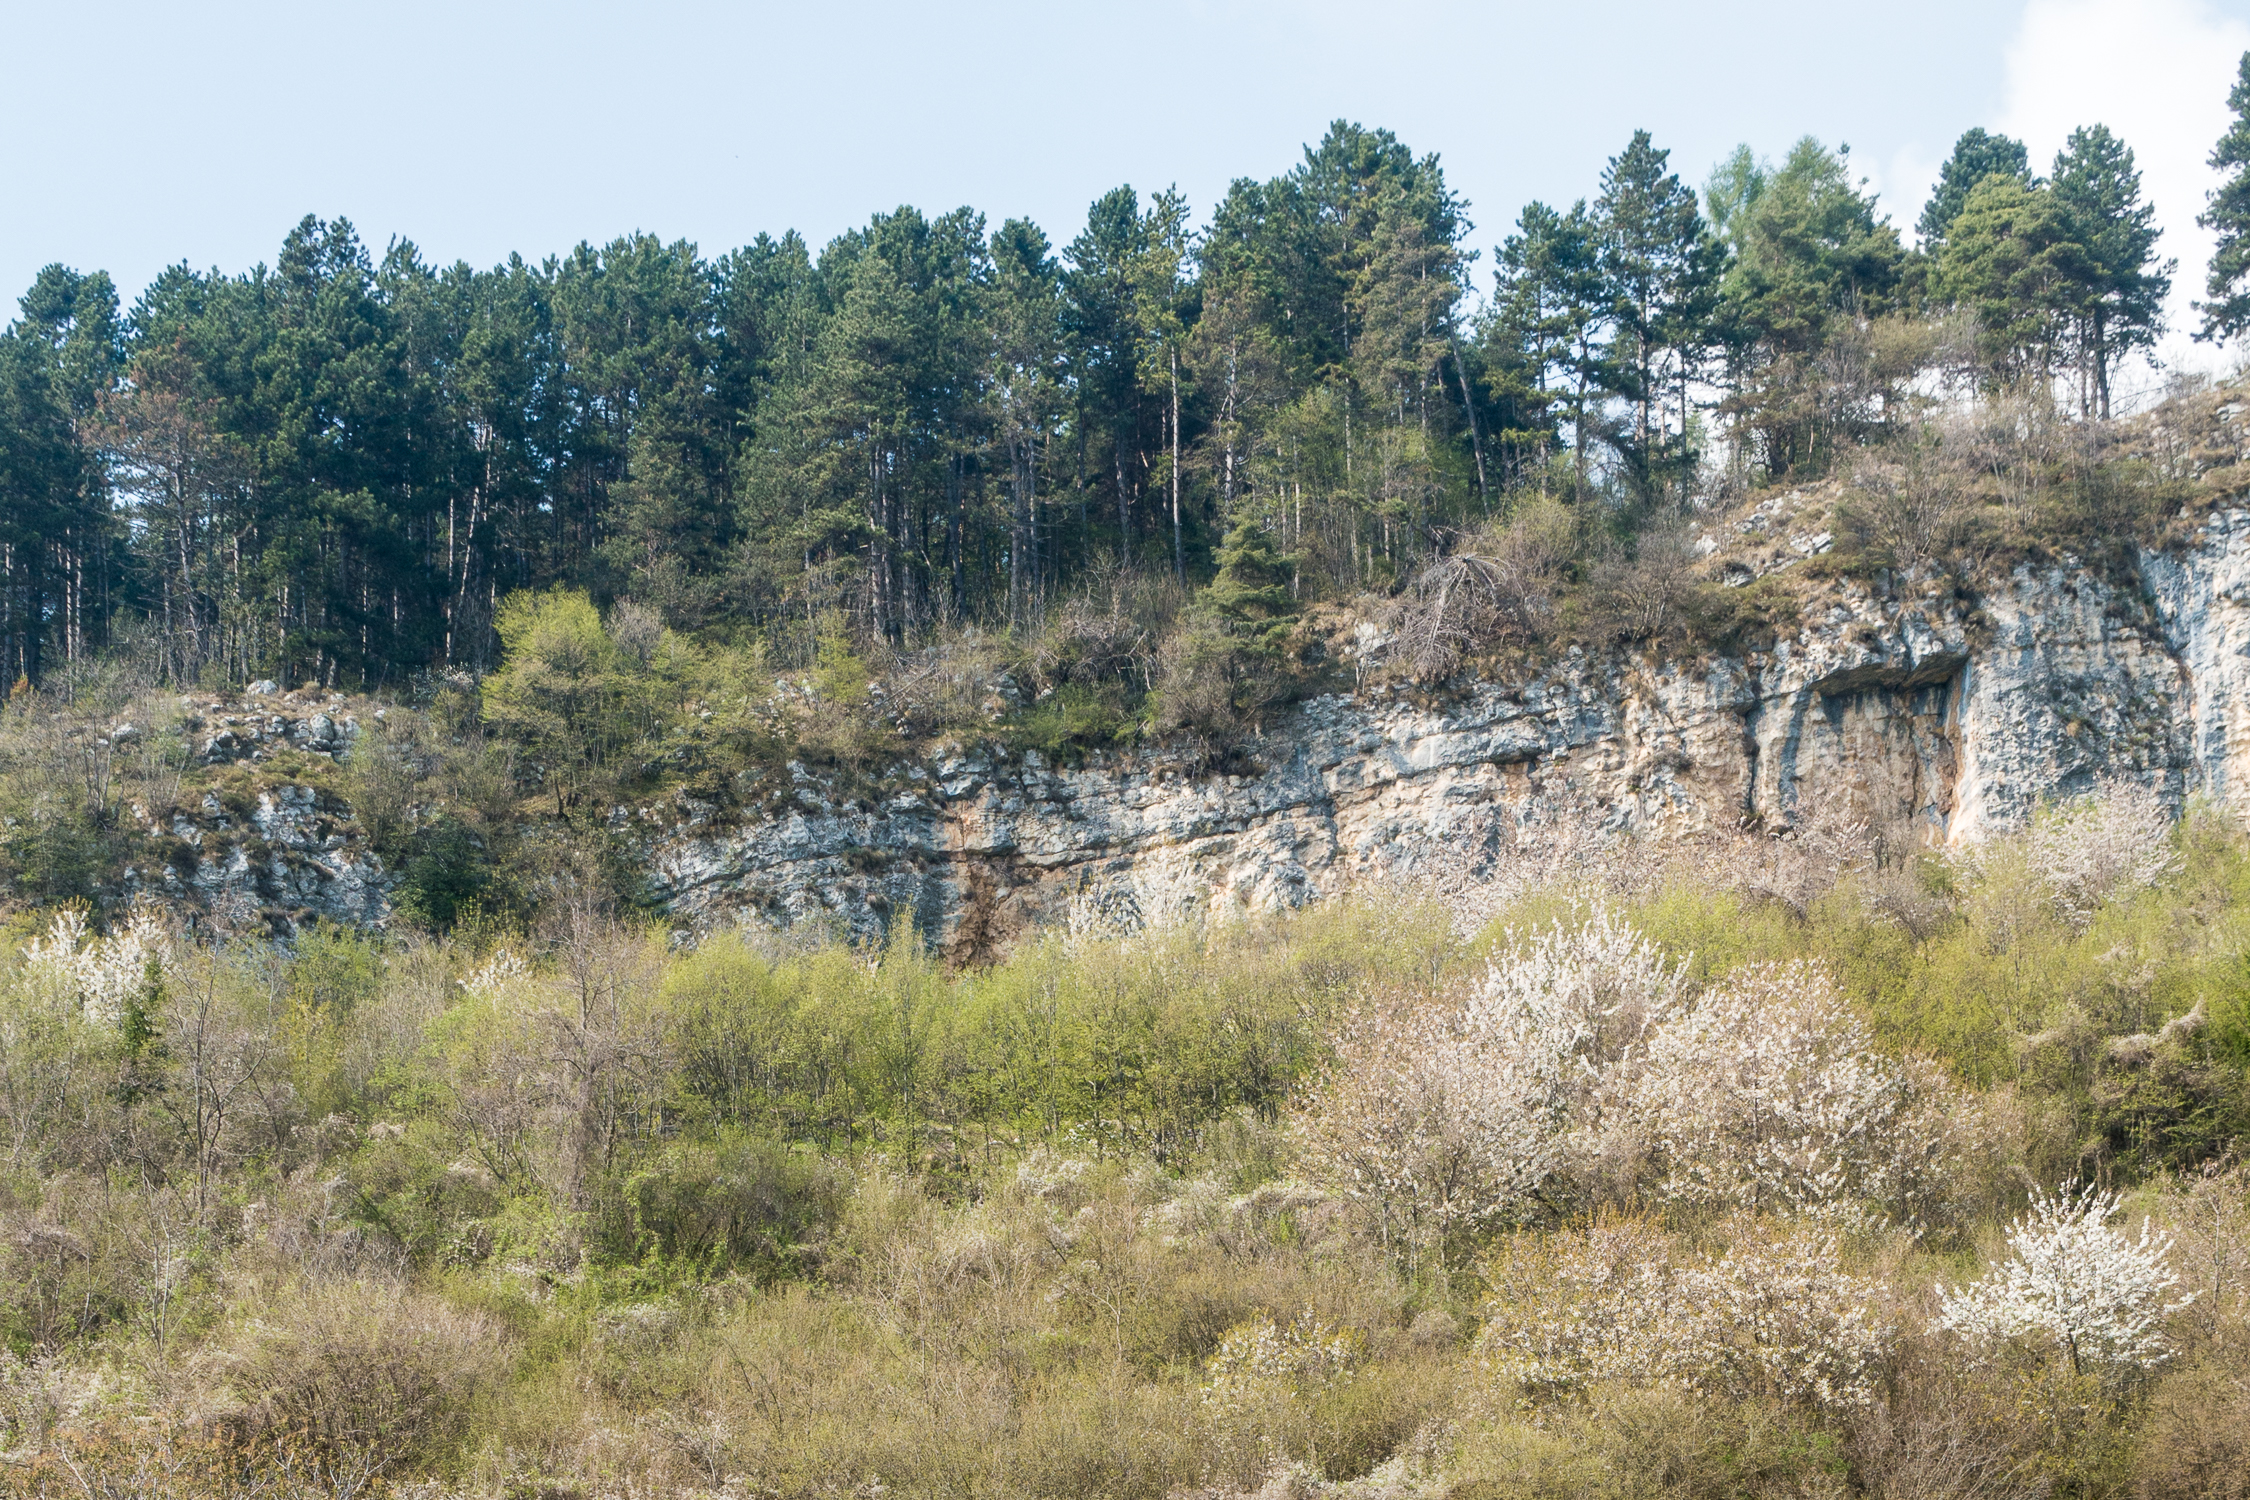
pixel 142 134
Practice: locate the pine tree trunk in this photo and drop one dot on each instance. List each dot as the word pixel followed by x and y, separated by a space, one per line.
pixel 1179 554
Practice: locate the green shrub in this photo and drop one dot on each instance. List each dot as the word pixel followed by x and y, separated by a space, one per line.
pixel 446 870
pixel 752 1208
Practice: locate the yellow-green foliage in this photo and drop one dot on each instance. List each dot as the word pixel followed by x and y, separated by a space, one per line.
pixel 1129 1045
pixel 571 1210
pixel 581 694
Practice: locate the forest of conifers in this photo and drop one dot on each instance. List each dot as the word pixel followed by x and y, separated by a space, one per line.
pixel 333 469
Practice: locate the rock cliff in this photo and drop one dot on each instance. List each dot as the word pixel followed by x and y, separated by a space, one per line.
pixel 1955 714
pixel 278 843
pixel 1950 710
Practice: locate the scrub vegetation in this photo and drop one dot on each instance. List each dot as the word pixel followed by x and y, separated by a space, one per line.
pixel 1746 1167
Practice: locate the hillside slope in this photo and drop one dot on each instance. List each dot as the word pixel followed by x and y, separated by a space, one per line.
pixel 1945 704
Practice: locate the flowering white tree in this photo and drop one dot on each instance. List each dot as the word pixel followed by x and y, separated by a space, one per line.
pixel 2107 845
pixel 497 975
pixel 1447 1114
pixel 1588 993
pixel 1261 1358
pixel 103 972
pixel 1266 1378
pixel 1770 1094
pixel 1566 1310
pixel 1775 1316
pixel 2073 1281
pixel 1424 1120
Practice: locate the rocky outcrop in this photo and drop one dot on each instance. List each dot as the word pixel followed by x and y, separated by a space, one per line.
pixel 1954 716
pixel 276 851
pixel 1949 713
pixel 2201 594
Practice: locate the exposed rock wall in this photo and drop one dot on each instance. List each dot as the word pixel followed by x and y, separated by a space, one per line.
pixel 1958 716
pixel 2201 595
pixel 277 852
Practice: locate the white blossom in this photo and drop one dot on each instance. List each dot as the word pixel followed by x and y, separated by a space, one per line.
pixel 1770 1094
pixel 501 972
pixel 1775 1316
pixel 1584 994
pixel 1443 1114
pixel 1261 1359
pixel 2107 845
pixel 1425 1120
pixel 1566 1310
pixel 2073 1281
pixel 101 971
pixel 1778 1317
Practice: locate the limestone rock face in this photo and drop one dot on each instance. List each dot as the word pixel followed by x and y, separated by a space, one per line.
pixel 2201 595
pixel 293 857
pixel 1952 713
pixel 1955 715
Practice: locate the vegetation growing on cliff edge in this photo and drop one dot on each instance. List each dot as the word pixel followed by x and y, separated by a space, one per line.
pixel 1525 1194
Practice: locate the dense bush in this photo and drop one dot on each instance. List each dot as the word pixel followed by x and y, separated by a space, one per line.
pixel 561 1207
pixel 363 1365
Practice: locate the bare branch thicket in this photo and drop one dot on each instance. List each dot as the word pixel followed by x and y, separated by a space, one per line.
pixel 1645 596
pixel 608 1044
pixel 2209 1216
pixel 1090 640
pixel 1572 847
pixel 1774 1316
pixel 637 629
pixel 1478 873
pixel 1794 866
pixel 1497 590
pixel 1903 507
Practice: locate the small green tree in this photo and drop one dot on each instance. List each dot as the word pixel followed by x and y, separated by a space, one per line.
pixel 2014 259
pixel 571 693
pixel 1813 261
pixel 1251 591
pixel 1228 667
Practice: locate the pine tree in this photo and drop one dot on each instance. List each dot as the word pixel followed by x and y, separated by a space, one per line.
pixel 1548 320
pixel 1163 315
pixel 59 545
pixel 1660 268
pixel 1103 344
pixel 1811 256
pixel 1025 377
pixel 2227 314
pixel 2014 259
pixel 2120 307
pixel 1251 591
pixel 1977 155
